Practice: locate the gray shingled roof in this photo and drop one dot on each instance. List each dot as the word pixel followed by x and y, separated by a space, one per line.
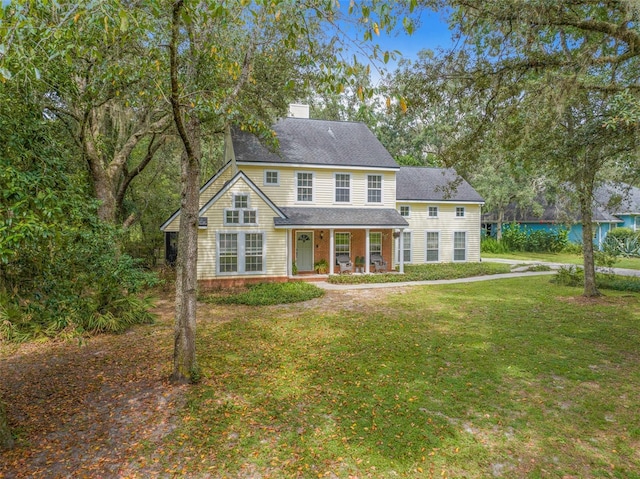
pixel 618 198
pixel 610 200
pixel 316 142
pixel 347 217
pixel 433 184
pixel 561 209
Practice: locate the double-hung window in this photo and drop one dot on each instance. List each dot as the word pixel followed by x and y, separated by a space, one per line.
pixel 343 187
pixel 343 244
pixel 240 214
pixel 404 247
pixel 304 185
pixel 433 246
pixel 459 211
pixel 241 253
pixel 374 188
pixel 253 258
pixel 405 210
pixel 433 212
pixel 228 252
pixel 459 246
pixel 375 243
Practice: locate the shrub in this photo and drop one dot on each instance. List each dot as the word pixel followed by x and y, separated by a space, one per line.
pixel 522 238
pixel 514 237
pixel 424 272
pixel 492 245
pixel 622 233
pixel 569 276
pixel 572 248
pixel 622 242
pixel 265 294
pixel 573 276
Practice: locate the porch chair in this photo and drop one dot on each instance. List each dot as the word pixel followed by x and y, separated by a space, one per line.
pixel 346 266
pixel 378 262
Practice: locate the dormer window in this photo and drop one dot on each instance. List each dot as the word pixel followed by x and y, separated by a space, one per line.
pixel 241 213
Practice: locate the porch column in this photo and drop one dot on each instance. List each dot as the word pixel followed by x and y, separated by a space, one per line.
pixel 401 250
pixel 332 254
pixel 367 259
pixel 289 254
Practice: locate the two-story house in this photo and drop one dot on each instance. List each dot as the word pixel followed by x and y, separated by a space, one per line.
pixel 330 191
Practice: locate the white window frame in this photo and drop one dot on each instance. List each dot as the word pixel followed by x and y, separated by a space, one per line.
pixel 235 197
pixel 337 244
pixel 401 248
pixel 464 211
pixel 261 255
pixel 369 189
pixel 268 183
pixel 429 215
pixel 240 211
pixel 241 255
pixel 426 246
pixel 408 208
pixel 313 182
pixel 466 246
pixel 378 234
pixel 636 223
pixel 218 255
pixel 342 188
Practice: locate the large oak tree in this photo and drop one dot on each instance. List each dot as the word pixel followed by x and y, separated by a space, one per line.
pixel 569 70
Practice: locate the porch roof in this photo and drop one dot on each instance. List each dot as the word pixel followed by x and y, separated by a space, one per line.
pixel 340 218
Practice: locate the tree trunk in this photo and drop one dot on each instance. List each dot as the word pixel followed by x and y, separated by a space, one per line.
pixel 185 368
pixel 499 224
pixel 105 193
pixel 590 289
pixel 6 439
pixel 184 355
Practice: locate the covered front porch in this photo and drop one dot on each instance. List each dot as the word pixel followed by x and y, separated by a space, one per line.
pixel 319 239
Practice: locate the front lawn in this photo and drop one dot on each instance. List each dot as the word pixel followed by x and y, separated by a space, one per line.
pixel 564 258
pixel 512 378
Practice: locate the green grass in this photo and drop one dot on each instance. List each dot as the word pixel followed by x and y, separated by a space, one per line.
pixel 513 378
pixel 425 272
pixel 264 294
pixel 628 263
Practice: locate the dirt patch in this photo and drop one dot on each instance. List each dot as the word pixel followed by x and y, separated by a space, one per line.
pixel 82 409
pixel 589 301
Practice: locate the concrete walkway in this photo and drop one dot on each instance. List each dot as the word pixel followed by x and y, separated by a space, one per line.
pixel 555 266
pixel 518 272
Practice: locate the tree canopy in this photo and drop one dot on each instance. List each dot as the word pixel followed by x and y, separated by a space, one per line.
pixel 558 81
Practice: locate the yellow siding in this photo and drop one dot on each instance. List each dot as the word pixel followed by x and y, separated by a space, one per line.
pixel 275 240
pixel 446 224
pixel 215 186
pixel 324 186
pixel 206 195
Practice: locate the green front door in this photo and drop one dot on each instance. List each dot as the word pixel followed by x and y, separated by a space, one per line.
pixel 304 250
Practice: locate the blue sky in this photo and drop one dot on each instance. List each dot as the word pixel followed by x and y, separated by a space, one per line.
pixel 433 32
